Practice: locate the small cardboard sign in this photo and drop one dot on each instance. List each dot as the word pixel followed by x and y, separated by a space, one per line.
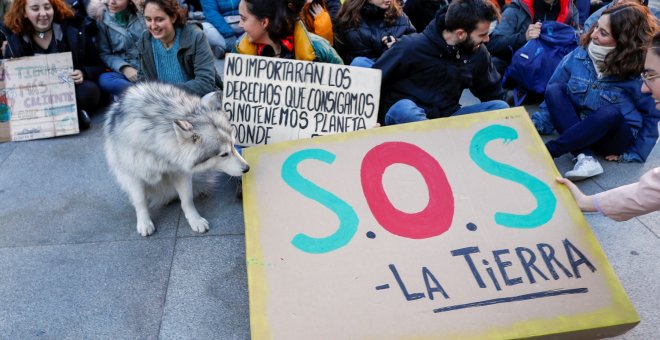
pixel 271 99
pixel 449 228
pixel 38 98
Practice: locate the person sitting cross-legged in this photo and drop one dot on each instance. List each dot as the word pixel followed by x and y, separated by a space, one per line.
pixel 424 74
pixel 594 97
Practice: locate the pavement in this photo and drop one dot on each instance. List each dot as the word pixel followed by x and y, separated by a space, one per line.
pixel 73 266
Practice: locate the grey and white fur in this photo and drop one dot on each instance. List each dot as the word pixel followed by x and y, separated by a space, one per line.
pixel 158 137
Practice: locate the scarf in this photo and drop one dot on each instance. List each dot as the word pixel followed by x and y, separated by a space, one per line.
pixel 122 17
pixel 597 54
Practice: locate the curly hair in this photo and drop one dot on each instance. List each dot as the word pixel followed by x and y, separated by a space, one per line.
pixel 632 27
pixel 172 9
pixel 349 15
pixel 15 18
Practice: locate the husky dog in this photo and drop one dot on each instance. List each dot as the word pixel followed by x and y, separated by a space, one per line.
pixel 157 136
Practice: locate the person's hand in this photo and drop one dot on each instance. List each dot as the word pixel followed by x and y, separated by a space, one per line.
pixel 315 9
pixel 77 76
pixel 388 40
pixel 533 31
pixel 130 73
pixel 586 203
pixel 612 158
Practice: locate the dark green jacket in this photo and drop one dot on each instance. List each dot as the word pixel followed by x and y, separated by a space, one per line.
pixel 194 56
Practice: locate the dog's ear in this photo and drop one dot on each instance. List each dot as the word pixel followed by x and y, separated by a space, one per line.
pixel 184 131
pixel 213 100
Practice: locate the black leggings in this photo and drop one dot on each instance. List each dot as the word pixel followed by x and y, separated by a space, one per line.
pixel 88 96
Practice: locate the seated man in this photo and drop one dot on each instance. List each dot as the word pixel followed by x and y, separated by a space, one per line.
pixel 424 74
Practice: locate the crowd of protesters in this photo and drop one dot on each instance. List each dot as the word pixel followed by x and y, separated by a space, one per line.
pixel 429 52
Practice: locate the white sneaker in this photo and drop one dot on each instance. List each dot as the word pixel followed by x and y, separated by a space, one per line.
pixel 585 167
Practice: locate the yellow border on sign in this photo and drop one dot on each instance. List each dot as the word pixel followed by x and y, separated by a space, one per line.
pixel 620 315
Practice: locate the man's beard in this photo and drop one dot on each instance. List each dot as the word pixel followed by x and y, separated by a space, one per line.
pixel 468 46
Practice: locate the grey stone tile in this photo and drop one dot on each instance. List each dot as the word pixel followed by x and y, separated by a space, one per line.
pixel 633 252
pixel 60 191
pixel 207 296
pixel 84 291
pixel 221 208
pixel 652 222
pixel 6 150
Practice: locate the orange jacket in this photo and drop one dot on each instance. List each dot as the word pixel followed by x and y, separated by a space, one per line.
pixel 321 25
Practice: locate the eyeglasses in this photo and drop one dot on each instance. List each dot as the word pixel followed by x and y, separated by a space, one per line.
pixel 646 78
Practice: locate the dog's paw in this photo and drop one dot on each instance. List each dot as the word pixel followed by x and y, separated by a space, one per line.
pixel 200 225
pixel 146 228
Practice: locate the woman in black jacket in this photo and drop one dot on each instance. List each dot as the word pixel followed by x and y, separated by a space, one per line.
pixel 49 26
pixel 364 29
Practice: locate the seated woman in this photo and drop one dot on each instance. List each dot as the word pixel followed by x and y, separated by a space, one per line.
pixel 594 97
pixel 45 26
pixel 221 25
pixel 367 28
pixel 272 29
pixel 521 22
pixel 317 20
pixel 174 52
pixel 120 26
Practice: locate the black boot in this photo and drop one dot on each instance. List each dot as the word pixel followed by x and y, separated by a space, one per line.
pixel 84 122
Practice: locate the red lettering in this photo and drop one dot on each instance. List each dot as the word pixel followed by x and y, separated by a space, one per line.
pixel 435 219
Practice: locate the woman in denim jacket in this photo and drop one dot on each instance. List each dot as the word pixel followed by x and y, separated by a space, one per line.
pixel 594 97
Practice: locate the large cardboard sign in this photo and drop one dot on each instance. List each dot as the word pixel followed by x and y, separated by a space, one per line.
pixel 271 99
pixel 450 228
pixel 38 98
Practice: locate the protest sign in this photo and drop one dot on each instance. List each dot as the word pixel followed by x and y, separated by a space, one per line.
pixel 448 228
pixel 38 98
pixel 271 99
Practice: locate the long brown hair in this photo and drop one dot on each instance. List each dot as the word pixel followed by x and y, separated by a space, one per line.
pixel 632 27
pixel 16 21
pixel 349 15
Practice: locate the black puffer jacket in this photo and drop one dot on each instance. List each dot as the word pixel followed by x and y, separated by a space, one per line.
pixel 366 39
pixel 423 68
pixel 69 39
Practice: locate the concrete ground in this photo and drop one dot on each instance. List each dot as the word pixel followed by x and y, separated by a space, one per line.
pixel 72 265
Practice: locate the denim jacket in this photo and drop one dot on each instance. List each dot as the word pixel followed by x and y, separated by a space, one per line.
pixel 588 93
pixel 117 44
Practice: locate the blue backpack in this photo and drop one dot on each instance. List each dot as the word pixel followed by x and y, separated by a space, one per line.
pixel 533 64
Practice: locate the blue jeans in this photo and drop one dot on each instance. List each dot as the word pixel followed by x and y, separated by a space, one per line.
pixel 604 130
pixel 114 83
pixel 406 111
pixel 363 62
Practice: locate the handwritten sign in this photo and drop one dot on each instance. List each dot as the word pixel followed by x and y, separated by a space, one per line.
pixel 270 99
pixel 38 98
pixel 450 228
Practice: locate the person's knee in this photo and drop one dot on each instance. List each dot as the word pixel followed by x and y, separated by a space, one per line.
pixel 497 105
pixel 610 115
pixel 402 111
pixel 553 90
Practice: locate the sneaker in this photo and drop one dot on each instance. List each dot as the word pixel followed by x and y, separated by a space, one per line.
pixel 84 122
pixel 218 51
pixel 585 167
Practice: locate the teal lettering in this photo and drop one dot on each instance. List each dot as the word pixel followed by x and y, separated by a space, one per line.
pixel 348 218
pixel 545 199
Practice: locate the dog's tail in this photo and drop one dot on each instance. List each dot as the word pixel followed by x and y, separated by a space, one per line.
pixel 204 184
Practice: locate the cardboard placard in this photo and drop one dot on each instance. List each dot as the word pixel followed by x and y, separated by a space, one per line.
pixel 449 228
pixel 271 99
pixel 38 98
